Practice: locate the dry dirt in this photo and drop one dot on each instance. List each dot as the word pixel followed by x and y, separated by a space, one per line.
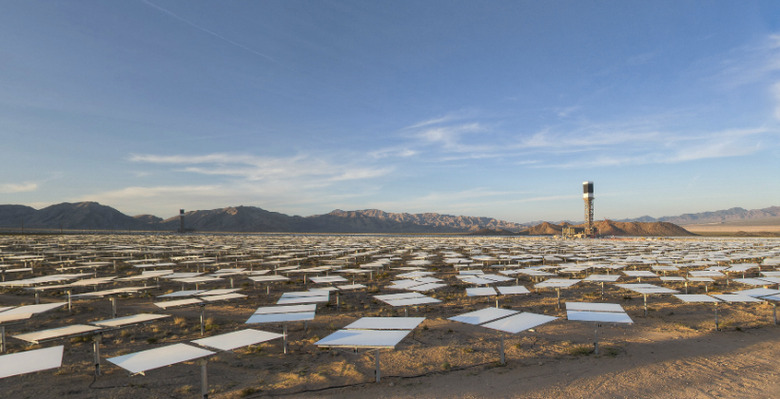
pixel 771 227
pixel 672 352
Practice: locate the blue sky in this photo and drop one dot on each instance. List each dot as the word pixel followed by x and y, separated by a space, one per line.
pixel 498 109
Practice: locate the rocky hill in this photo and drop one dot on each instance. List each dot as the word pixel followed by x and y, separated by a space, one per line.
pixel 545 229
pixel 148 219
pixel 725 215
pixel 656 229
pixel 240 219
pixel 76 216
pixel 612 228
pixel 16 215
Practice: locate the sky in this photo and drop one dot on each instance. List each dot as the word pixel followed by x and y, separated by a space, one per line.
pixel 499 109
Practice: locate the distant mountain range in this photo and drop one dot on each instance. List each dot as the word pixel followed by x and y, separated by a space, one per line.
pixel 726 215
pixel 241 219
pixel 245 219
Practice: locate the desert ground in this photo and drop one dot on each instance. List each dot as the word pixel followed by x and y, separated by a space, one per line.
pixel 672 351
pixel 768 226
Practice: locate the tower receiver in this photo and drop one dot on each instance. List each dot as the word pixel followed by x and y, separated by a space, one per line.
pixel 587 196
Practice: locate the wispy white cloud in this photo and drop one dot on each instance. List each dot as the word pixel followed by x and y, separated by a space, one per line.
pixel 162 201
pixel 285 184
pixel 449 136
pixel 714 149
pixel 457 132
pixel 393 152
pixel 588 136
pixel 671 148
pixel 567 111
pixel 645 139
pixel 753 64
pixel 446 141
pixel 192 159
pixel 12 188
pixel 441 120
pixel 481 153
pixel 256 168
pixel 138 192
pixel 475 140
pixel 289 197
pixel 363 173
pixel 722 144
pixel 433 121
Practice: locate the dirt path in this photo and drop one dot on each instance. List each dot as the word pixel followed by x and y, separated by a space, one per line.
pixel 734 364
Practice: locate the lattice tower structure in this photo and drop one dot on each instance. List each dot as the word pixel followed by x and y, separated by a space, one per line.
pixel 587 196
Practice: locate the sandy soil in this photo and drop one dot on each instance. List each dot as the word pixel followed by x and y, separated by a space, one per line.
pixel 767 226
pixel 661 365
pixel 672 352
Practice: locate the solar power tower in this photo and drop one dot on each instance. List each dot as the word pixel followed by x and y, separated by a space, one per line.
pixel 181 220
pixel 587 196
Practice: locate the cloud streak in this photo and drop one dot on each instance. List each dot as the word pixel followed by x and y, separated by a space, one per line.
pixel 208 31
pixel 750 64
pixel 13 188
pixel 258 168
pixel 644 140
pixel 138 192
pixel 393 152
pixel 289 184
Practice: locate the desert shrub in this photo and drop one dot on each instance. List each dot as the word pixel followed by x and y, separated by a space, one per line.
pixel 611 351
pixel 210 324
pixel 185 390
pixel 180 322
pixel 581 350
pixel 81 339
